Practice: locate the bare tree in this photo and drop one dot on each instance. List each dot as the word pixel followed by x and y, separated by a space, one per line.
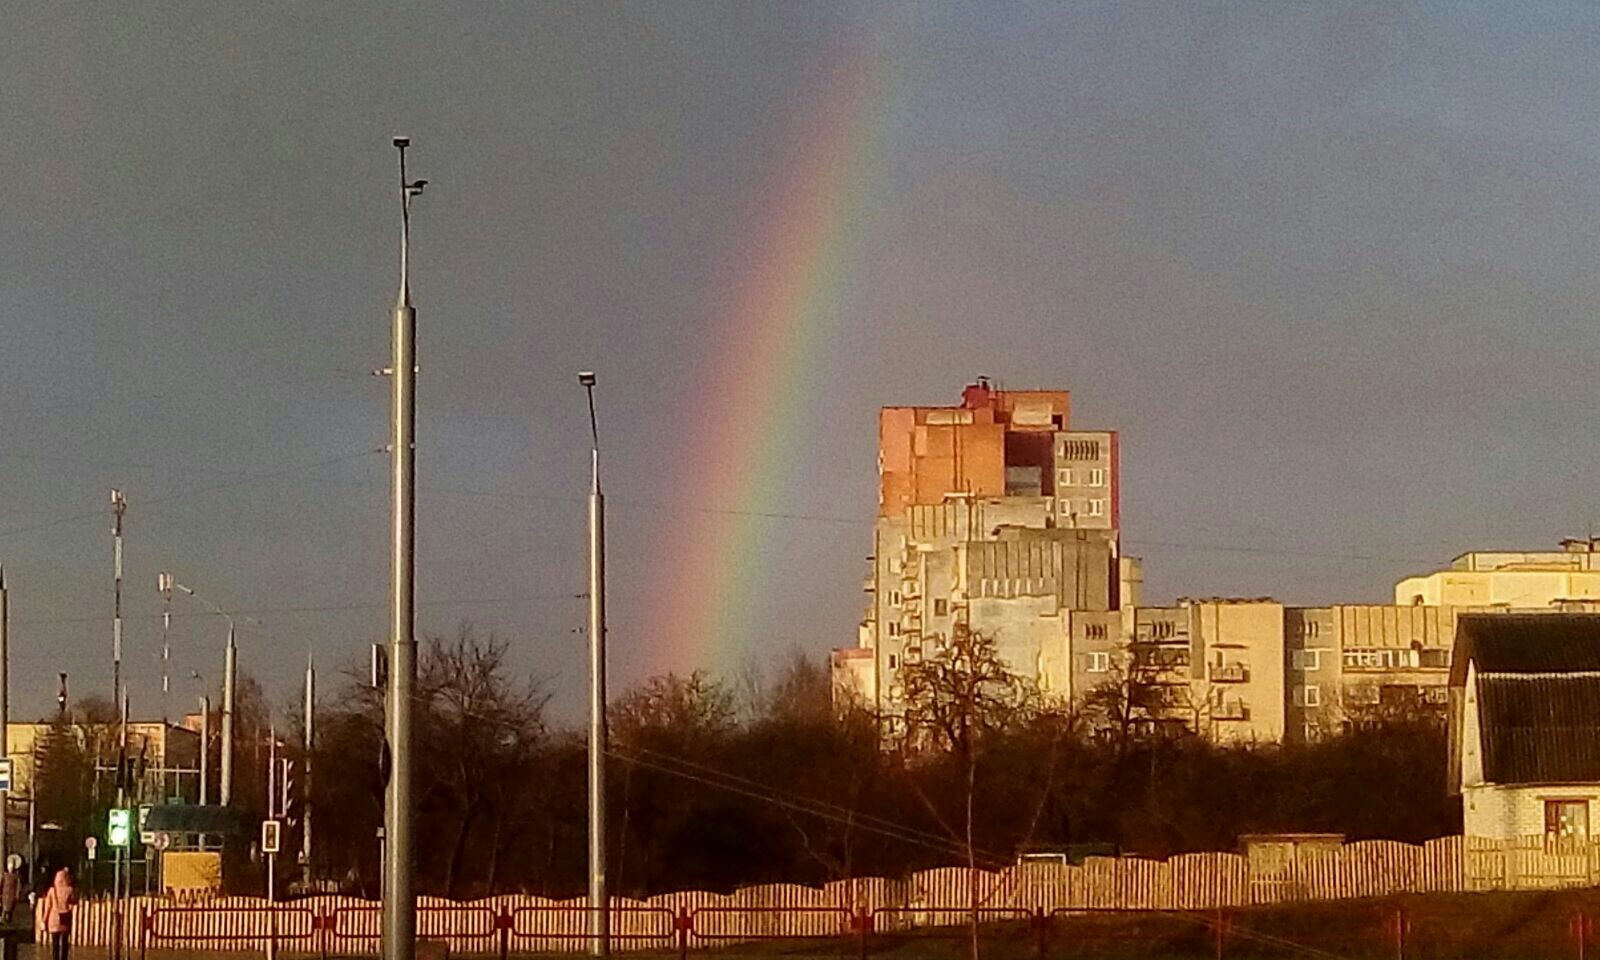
pixel 953 700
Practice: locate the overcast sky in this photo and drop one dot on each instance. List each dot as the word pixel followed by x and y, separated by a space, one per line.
pixel 1329 268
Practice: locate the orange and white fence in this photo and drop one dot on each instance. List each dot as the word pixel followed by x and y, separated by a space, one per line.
pixel 931 898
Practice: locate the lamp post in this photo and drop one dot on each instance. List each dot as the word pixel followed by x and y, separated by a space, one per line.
pixel 599 902
pixel 399 892
pixel 230 658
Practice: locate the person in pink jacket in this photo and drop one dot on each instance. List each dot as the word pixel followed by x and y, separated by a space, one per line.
pixel 57 909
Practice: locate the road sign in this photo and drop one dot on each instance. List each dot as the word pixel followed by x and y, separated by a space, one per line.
pixel 271 834
pixel 5 773
pixel 162 841
pixel 119 827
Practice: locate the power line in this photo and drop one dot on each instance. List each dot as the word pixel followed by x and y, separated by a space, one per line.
pixel 324 608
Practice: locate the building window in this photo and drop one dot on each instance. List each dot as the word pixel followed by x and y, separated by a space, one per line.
pixel 894 597
pixel 1095 508
pixel 1310 628
pixel 893 662
pixel 1382 658
pixel 1310 696
pixel 1309 661
pixel 1065 506
pixel 894 629
pixel 1439 693
pixel 1094 631
pixel 1310 732
pixel 1436 659
pixel 1097 477
pixel 1162 630
pixel 941 606
pixel 1099 661
pixel 1080 449
pixel 1064 478
pixel 1566 822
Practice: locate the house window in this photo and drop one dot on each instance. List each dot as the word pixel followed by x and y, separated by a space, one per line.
pixel 1094 631
pixel 1310 732
pixel 941 606
pixel 1311 696
pixel 1566 821
pixel 893 662
pixel 1065 506
pixel 1436 659
pixel 1099 661
pixel 1064 478
pixel 1095 508
pixel 894 629
pixel 894 597
pixel 1097 477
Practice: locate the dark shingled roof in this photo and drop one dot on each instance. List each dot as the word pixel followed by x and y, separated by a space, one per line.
pixel 1538 680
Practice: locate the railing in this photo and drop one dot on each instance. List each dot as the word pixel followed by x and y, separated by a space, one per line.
pixel 1230 673
pixel 1367 929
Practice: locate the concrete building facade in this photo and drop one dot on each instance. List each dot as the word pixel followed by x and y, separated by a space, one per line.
pixel 997 515
pixel 994 516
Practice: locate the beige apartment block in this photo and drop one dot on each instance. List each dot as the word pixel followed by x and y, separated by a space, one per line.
pixel 1213 666
pixel 1516 580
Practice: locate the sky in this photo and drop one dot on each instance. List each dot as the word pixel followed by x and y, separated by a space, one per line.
pixel 1327 267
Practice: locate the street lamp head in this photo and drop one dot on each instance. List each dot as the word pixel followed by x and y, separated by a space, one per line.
pixel 402 142
pixel 587 378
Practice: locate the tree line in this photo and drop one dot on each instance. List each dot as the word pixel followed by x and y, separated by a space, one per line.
pixel 716 783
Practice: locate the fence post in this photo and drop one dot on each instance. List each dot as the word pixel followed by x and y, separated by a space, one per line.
pixel 144 931
pixel 503 921
pixel 1219 934
pixel 863 930
pixel 683 922
pixel 1583 934
pixel 1041 923
pixel 1399 933
pixel 323 922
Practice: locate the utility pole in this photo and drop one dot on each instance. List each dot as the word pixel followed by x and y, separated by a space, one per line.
pixel 164 586
pixel 119 506
pixel 399 893
pixel 599 902
pixel 205 755
pixel 5 713
pixel 230 659
pixel 310 744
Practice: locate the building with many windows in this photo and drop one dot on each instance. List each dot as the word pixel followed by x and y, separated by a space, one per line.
pixel 998 515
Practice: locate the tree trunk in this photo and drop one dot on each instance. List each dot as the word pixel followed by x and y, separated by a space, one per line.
pixel 494 848
pixel 972 857
pixel 456 852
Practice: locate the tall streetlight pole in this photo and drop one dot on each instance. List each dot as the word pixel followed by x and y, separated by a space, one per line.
pixel 399 893
pixel 599 902
pixel 230 666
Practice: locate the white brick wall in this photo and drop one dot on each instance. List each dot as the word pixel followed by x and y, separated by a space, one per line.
pixel 1506 813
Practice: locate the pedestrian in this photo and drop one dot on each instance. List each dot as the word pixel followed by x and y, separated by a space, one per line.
pixel 58 904
pixel 10 890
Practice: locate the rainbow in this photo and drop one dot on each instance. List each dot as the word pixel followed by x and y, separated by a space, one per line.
pixel 774 339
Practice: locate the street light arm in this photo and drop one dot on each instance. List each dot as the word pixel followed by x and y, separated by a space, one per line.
pixel 189 591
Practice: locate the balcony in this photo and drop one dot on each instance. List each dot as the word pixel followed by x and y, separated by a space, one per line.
pixel 1230 673
pixel 1231 710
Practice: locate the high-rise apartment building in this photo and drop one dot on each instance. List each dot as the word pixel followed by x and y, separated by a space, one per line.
pixel 997 517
